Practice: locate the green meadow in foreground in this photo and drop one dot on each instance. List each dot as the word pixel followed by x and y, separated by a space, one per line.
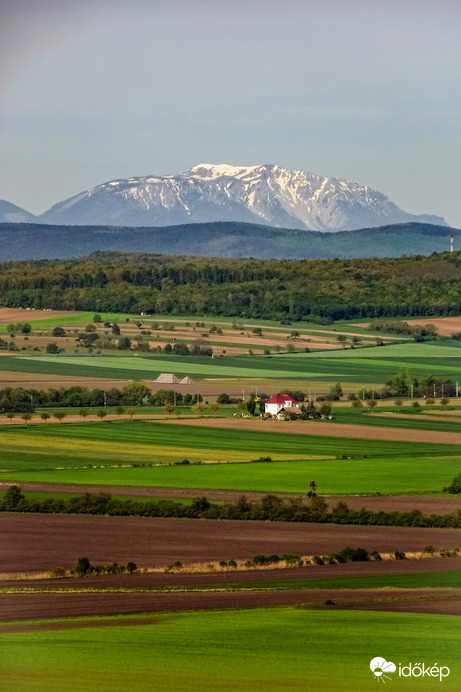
pixel 269 649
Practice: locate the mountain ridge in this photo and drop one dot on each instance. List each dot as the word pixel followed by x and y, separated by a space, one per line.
pixel 207 192
pixel 26 241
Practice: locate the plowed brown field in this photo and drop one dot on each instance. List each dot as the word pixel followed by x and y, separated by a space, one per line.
pixel 45 605
pixel 31 543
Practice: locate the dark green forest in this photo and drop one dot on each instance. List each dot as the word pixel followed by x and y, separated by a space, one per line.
pixel 270 289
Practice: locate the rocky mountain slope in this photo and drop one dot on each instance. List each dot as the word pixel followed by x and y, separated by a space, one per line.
pixel 254 194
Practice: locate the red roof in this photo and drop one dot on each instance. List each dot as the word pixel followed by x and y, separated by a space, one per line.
pixel 280 399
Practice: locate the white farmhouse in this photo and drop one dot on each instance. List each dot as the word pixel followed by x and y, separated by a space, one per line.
pixel 279 403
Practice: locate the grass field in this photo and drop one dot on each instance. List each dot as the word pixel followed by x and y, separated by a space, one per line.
pixel 59 453
pixel 399 475
pixel 269 649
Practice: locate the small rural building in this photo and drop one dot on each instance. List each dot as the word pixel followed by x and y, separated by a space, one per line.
pixel 186 380
pixel 167 378
pixel 280 403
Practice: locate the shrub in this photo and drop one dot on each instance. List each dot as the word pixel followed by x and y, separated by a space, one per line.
pixel 317 560
pixel 374 555
pixel 399 555
pixel 231 563
pixel 455 486
pixel 58 573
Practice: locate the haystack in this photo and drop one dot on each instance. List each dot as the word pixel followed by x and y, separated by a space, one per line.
pixel 167 378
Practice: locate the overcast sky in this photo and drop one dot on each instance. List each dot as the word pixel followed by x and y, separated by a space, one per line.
pixel 367 90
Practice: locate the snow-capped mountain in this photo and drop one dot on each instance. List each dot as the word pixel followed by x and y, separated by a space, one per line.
pixel 10 213
pixel 207 192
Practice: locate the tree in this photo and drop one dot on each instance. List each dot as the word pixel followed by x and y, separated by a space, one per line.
pixel 115 329
pixel 131 412
pixel 83 413
pixel 251 406
pixel 97 318
pixel 44 416
pixel 26 417
pixel 325 410
pixel 10 415
pixel 136 394
pixel 119 410
pixel 357 404
pixel 455 485
pixel 342 340
pixel 131 567
pixel 199 407
pixel 12 498
pixel 168 408
pixel 101 413
pixel 430 402
pixel 58 331
pixel 444 401
pixel 214 406
pixel 124 343
pixel 59 415
pixel 82 567
pixel 371 403
pixel 52 348
pixel 398 403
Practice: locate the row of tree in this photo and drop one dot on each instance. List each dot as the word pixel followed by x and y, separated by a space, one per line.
pixel 269 508
pixel 19 400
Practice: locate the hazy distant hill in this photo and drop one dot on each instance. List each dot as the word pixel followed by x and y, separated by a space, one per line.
pixel 222 239
pixel 267 194
pixel 13 214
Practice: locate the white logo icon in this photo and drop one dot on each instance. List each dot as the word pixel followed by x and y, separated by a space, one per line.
pixel 379 667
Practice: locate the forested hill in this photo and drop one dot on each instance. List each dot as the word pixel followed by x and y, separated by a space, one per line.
pixel 295 289
pixel 20 241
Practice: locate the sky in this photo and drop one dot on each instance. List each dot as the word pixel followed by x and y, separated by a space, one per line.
pixel 368 91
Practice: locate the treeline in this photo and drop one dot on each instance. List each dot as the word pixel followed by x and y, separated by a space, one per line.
pixel 269 508
pixel 19 400
pixel 271 289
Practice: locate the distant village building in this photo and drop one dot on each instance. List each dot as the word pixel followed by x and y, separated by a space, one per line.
pixel 281 403
pixel 167 378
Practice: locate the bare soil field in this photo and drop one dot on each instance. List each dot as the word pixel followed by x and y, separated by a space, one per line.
pixel 43 382
pixel 401 503
pixel 38 542
pixel 328 428
pixel 10 315
pixel 445 325
pixel 46 605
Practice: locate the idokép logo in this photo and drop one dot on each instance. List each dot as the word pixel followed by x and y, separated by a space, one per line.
pixel 381 669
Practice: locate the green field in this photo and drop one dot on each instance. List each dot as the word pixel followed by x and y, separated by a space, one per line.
pixel 270 649
pixel 364 365
pixel 60 453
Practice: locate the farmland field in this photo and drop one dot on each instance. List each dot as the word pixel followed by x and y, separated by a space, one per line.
pixel 121 453
pixel 276 648
pixel 366 366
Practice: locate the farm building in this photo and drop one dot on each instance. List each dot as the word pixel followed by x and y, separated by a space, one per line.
pixel 280 403
pixel 167 378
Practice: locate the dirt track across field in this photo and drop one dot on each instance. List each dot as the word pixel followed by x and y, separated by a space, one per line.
pixel 39 542
pixel 377 503
pixel 46 605
pixel 327 428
